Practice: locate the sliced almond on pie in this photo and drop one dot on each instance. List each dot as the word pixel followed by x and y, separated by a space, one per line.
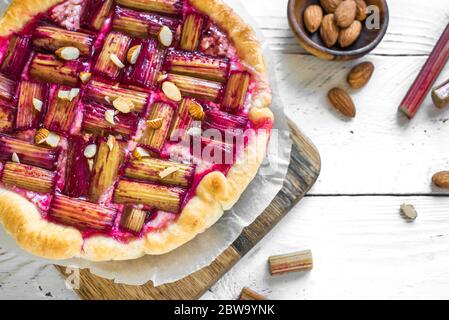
pixel 41 136
pixel 109 116
pixel 53 140
pixel 64 94
pixel 116 60
pixel 15 158
pixel 155 123
pixel 165 173
pixel 90 151
pixel 166 36
pixel 85 77
pixel 171 91
pixel 133 54
pixel 124 105
pixel 68 53
pixel 140 153
pixel 37 104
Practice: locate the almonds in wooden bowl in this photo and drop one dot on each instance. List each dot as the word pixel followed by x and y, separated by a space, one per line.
pixel 345 13
pixel 329 31
pixel 313 16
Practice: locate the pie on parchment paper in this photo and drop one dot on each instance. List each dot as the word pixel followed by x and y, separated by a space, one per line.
pixel 91 115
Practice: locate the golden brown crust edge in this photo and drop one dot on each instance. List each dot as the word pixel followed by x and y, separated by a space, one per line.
pixel 215 193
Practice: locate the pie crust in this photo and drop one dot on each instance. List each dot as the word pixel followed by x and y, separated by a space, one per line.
pixel 215 193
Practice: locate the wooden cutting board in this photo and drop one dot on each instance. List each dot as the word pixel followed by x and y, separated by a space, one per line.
pixel 304 169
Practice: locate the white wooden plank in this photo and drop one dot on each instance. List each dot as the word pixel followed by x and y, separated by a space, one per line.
pixel 414 26
pixel 379 151
pixel 362 249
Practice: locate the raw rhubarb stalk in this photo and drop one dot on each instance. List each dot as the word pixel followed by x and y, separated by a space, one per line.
pixel 182 121
pixel 171 7
pixel 95 121
pixel 96 13
pixel 16 56
pixel 427 76
pixel 109 158
pixel 28 116
pixel 133 219
pixel 197 65
pixel 61 112
pixel 152 170
pixel 191 31
pixel 154 137
pixel 116 45
pixel 7 88
pixel 7 118
pixel 223 121
pixel 51 39
pixel 292 262
pixel 82 214
pixel 106 94
pixel 159 197
pixel 77 174
pixel 141 24
pixel 236 91
pixel 248 294
pixel 28 153
pixel 48 68
pixel 28 177
pixel 440 95
pixel 195 87
pixel 145 72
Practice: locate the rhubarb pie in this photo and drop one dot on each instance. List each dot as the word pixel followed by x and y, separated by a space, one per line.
pixel 127 127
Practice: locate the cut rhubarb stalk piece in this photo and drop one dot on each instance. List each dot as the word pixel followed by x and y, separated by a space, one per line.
pixel 68 14
pixel 16 56
pixel 191 31
pixel 77 174
pixel 223 121
pixel 61 112
pixel 7 88
pixel 52 39
pixel 171 7
pixel 197 65
pixel 216 151
pixel 145 71
pixel 27 152
pixel 95 121
pixel 440 95
pixel 155 138
pixel 214 42
pixel 7 118
pixel 82 214
pixel 141 24
pixel 106 94
pixel 115 47
pixel 195 87
pixel 182 121
pixel 96 13
pixel 236 91
pixel 150 169
pixel 28 177
pixel 427 76
pixel 133 219
pixel 107 164
pixel 48 68
pixel 28 116
pixel 159 197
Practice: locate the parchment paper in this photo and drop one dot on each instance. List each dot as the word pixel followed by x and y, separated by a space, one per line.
pixel 203 250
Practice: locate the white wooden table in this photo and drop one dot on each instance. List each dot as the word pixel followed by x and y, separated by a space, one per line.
pixel 371 165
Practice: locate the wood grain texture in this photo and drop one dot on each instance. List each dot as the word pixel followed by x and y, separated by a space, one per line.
pixel 303 171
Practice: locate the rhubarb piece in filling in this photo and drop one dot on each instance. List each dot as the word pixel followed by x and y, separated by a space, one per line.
pixel 95 95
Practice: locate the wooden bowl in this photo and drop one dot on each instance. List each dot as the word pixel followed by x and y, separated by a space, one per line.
pixel 368 40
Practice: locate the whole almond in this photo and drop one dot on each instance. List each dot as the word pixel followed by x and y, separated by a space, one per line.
pixel 329 30
pixel 345 13
pixel 313 16
pixel 330 5
pixel 350 34
pixel 341 101
pixel 360 75
pixel 361 10
pixel 441 179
